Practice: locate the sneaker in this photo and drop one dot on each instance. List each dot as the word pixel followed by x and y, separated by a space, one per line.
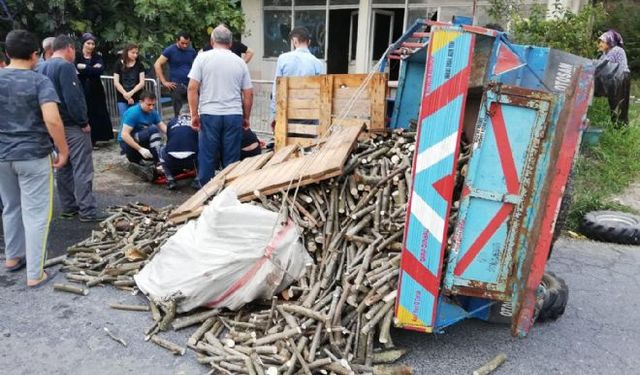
pixel 146 172
pixel 98 217
pixel 195 184
pixel 68 214
pixel 171 185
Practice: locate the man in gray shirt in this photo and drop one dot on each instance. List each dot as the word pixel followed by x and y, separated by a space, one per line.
pixel 220 100
pixel 75 180
pixel 29 121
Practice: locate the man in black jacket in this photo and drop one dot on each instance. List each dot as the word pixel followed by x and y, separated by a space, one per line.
pixel 75 180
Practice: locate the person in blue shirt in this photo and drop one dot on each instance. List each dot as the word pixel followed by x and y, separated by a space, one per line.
pixel 297 63
pixel 140 136
pixel 181 151
pixel 180 57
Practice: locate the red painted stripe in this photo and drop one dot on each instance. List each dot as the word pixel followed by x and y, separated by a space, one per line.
pixel 483 238
pixel 445 93
pixel 504 149
pixel 419 273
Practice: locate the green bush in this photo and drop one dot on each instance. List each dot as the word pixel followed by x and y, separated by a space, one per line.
pixel 565 30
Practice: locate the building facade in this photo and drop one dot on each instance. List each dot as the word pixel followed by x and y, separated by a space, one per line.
pixel 348 35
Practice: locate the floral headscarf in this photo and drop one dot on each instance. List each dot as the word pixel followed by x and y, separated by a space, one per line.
pixel 612 38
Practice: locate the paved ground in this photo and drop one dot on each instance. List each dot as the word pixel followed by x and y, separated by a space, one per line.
pixel 54 333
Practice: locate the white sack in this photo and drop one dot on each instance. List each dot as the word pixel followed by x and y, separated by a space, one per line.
pixel 233 254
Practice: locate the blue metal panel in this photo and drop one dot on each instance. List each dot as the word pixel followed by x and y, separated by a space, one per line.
pixel 407 103
pixel 505 148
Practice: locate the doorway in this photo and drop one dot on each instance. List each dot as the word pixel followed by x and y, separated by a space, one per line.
pixel 340 50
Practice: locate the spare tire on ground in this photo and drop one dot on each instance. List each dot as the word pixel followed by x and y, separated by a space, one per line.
pixel 612 226
pixel 555 295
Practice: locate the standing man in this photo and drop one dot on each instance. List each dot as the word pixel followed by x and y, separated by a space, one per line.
pixel 47 48
pixel 75 180
pixel 180 57
pixel 297 63
pixel 29 121
pixel 220 100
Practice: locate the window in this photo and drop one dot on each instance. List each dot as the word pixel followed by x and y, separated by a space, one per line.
pixel 415 13
pixel 277 25
pixel 315 22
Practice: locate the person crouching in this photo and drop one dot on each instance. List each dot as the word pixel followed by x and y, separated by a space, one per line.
pixel 180 152
pixel 140 136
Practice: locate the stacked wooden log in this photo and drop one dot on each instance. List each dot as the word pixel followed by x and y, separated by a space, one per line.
pixel 337 318
pixel 128 239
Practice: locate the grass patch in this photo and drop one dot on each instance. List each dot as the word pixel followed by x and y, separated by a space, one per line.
pixel 607 168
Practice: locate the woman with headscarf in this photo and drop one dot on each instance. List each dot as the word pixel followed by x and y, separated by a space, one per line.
pixel 90 66
pixel 612 47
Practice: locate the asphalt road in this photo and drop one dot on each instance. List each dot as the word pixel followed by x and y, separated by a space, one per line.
pixel 45 332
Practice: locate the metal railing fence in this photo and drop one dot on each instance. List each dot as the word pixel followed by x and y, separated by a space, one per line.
pixel 260 114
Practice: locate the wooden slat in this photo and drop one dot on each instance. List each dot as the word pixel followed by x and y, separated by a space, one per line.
pixel 281 112
pixel 303 93
pixel 349 80
pixel 253 163
pixel 360 108
pixel 350 122
pixel 329 161
pixel 303 114
pixel 283 155
pixel 303 103
pixel 378 93
pixel 303 142
pixel 347 93
pixel 200 197
pixel 307 129
pixel 311 82
pixel 326 103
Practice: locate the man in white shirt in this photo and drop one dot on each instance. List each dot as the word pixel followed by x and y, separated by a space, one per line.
pixel 220 100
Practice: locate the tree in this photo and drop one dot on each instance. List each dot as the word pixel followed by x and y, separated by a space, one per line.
pixel 152 24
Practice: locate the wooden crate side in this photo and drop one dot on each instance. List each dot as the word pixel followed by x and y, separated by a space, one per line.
pixel 310 82
pixel 378 94
pixel 283 155
pixel 281 112
pixel 252 164
pixel 303 113
pixel 326 104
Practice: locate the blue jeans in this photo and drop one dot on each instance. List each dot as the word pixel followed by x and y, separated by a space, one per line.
pixel 218 143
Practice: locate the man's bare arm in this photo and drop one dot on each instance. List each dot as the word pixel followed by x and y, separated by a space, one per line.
pixel 55 128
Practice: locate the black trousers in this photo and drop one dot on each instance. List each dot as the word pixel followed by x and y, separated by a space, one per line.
pixel 177 97
pixel 619 101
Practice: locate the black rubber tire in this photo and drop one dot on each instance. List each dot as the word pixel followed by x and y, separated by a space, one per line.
pixel 555 297
pixel 612 226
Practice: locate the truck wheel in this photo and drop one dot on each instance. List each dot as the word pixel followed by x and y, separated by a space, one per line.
pixel 612 226
pixel 555 297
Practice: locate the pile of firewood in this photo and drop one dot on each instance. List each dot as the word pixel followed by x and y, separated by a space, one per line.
pixel 336 318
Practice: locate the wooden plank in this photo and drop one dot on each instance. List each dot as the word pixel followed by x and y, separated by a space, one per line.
pixel 303 103
pixel 309 82
pixel 308 129
pixel 304 93
pixel 307 169
pixel 303 142
pixel 348 92
pixel 360 108
pixel 378 94
pixel 283 155
pixel 253 163
pixel 350 122
pixel 349 80
pixel 303 113
pixel 281 113
pixel 202 195
pixel 326 104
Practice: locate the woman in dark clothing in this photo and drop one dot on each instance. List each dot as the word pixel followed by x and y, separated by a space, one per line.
pixel 90 66
pixel 128 78
pixel 611 45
